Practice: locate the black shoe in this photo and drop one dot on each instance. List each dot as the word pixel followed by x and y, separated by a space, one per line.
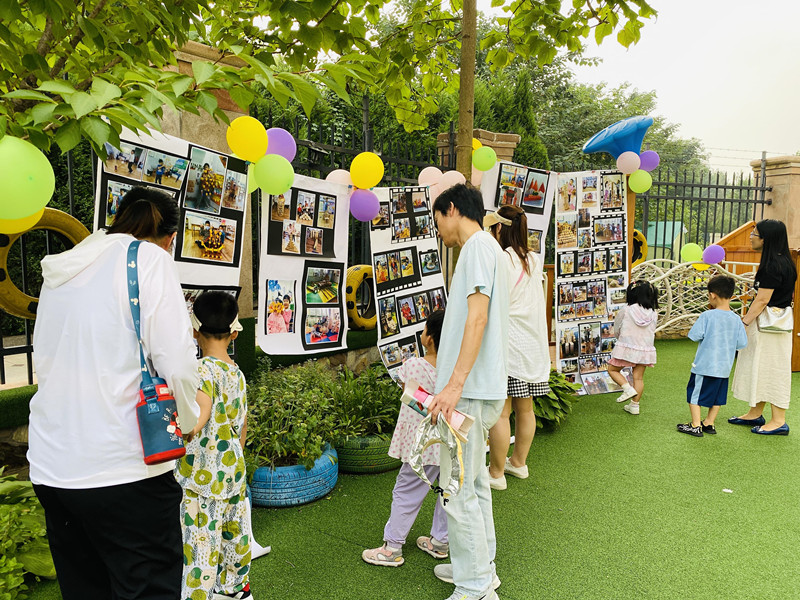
pixel 749 422
pixel 687 428
pixel 708 428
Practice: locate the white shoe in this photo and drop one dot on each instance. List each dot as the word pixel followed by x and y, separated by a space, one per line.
pixel 632 407
pixel 456 595
pixel 445 573
pixel 627 393
pixel 519 472
pixel 257 550
pixel 496 483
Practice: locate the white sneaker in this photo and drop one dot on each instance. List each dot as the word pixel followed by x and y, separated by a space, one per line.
pixel 628 392
pixel 519 472
pixel 492 595
pixel 445 573
pixel 632 407
pixel 496 483
pixel 257 550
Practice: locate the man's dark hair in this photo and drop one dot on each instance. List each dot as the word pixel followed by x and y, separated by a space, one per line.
pixel 467 200
pixel 434 326
pixel 215 310
pixel 723 286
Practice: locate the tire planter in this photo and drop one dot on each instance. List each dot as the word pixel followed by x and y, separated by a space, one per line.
pixel 366 455
pixel 293 485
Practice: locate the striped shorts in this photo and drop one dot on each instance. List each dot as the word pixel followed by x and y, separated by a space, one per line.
pixel 523 389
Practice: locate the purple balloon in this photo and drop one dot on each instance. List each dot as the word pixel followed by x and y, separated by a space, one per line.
pixel 650 160
pixel 280 141
pixel 713 254
pixel 364 205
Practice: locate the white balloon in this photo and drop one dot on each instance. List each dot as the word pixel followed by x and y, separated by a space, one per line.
pixel 339 176
pixel 628 162
pixel 429 176
pixel 450 179
pixel 477 177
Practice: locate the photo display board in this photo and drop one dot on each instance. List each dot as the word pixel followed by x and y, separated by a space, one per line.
pixel 591 274
pixel 528 188
pixel 407 272
pixel 303 268
pixel 209 188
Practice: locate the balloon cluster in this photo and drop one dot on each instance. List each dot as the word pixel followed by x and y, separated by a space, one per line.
pixel 483 159
pixel 28 184
pixel 270 153
pixel 638 167
pixel 702 259
pixel 366 171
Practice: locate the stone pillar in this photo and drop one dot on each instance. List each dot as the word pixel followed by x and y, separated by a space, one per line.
pixel 503 144
pixel 204 130
pixel 783 176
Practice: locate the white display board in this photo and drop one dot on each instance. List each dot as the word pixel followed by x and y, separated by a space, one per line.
pixel 303 268
pixel 591 273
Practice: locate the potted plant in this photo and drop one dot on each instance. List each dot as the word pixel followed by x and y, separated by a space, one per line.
pixel 366 408
pixel 555 406
pixel 290 426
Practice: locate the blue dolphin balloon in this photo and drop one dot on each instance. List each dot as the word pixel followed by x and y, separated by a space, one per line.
pixel 622 136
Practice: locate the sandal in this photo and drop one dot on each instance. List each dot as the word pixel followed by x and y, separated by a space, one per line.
pixel 433 546
pixel 383 556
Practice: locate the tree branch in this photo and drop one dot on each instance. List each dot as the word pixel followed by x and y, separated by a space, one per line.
pixel 76 36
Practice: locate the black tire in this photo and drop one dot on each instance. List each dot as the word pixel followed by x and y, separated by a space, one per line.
pixel 366 455
pixel 293 485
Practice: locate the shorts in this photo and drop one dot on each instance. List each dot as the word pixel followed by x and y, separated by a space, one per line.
pixel 621 363
pixel 523 389
pixel 707 391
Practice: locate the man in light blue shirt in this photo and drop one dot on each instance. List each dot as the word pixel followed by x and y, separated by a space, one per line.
pixel 471 376
pixel 720 333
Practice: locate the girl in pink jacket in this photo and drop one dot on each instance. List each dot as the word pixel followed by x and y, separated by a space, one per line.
pixel 635 330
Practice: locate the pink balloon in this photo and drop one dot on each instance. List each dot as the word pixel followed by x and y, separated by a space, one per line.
pixel 477 177
pixel 364 205
pixel 339 176
pixel 434 191
pixel 450 179
pixel 713 254
pixel 628 162
pixel 280 141
pixel 650 160
pixel 429 176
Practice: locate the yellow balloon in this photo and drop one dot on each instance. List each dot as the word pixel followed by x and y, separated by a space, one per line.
pixel 247 138
pixel 366 170
pixel 476 144
pixel 19 225
pixel 700 266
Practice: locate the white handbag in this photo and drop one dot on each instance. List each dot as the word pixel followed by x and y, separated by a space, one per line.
pixel 775 320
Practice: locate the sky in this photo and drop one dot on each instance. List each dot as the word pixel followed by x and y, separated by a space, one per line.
pixel 727 72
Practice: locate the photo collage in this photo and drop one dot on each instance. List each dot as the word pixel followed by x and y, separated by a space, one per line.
pixel 591 274
pixel 523 187
pixel 409 213
pixel 407 272
pixel 301 223
pixel 210 189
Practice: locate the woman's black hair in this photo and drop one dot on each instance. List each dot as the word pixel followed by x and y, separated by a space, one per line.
pixel 775 256
pixel 215 310
pixel 467 200
pixel 434 326
pixel 643 293
pixel 146 213
pixel 514 236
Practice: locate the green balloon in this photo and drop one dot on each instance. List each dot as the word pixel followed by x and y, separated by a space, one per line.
pixel 691 252
pixel 28 181
pixel 640 181
pixel 274 174
pixel 484 158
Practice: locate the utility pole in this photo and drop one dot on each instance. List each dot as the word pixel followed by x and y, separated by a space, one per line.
pixel 466 88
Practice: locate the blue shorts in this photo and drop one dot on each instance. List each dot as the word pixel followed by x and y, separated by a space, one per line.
pixel 707 391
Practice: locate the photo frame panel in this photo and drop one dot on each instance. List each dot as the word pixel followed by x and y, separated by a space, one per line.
pixel 281 305
pixel 397 280
pixel 382 220
pixel 535 191
pixel 613 191
pixel 430 262
pixel 208 239
pixel 322 283
pixel 608 229
pixel 567 263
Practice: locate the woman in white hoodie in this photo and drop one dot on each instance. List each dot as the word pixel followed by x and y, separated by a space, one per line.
pixel 112 521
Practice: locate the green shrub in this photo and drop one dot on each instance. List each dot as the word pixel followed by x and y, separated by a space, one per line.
pixel 366 404
pixel 555 406
pixel 23 538
pixel 291 415
pixel 15 406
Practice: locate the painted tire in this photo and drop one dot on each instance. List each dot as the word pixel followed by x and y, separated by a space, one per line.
pixel 13 300
pixel 639 254
pixel 366 455
pixel 293 485
pixel 355 277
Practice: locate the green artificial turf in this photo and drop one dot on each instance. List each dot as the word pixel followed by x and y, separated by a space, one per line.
pixel 617 506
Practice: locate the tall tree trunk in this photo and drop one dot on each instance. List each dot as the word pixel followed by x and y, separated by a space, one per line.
pixel 466 89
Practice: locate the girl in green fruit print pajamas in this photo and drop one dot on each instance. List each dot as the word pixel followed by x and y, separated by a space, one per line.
pixel 216 528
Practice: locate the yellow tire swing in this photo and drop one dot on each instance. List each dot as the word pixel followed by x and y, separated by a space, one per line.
pixel 639 252
pixel 360 310
pixel 13 300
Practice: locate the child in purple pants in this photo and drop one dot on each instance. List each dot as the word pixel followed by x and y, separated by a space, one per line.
pixel 410 490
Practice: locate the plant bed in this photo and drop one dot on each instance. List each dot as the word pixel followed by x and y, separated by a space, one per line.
pixel 366 455
pixel 292 485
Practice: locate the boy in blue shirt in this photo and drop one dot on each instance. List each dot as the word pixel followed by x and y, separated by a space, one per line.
pixel 720 333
